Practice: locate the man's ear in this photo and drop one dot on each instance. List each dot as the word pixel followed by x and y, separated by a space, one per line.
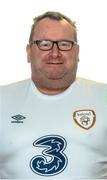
pixel 28 53
pixel 77 52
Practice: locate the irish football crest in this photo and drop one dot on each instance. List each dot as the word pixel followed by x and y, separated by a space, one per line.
pixel 85 118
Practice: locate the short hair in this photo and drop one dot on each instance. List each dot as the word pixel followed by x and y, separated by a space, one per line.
pixel 55 16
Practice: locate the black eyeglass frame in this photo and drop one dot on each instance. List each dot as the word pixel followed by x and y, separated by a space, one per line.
pixel 53 42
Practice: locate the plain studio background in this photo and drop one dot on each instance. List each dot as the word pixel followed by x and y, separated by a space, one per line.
pixel 15 23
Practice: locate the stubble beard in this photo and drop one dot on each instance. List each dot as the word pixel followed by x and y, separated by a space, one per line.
pixel 54 81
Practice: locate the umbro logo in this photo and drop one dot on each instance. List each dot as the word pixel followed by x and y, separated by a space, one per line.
pixel 18 118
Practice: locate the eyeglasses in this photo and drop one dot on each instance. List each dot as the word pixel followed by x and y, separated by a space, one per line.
pixel 45 45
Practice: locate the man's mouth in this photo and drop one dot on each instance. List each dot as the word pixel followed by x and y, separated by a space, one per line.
pixel 55 62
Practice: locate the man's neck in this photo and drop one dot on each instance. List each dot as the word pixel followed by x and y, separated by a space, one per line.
pixel 51 92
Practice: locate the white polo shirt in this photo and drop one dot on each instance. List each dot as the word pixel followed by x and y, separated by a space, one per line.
pixel 53 137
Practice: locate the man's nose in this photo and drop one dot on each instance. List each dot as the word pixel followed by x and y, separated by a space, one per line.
pixel 55 51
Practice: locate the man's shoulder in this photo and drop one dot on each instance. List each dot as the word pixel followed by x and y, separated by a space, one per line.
pixel 15 85
pixel 91 83
pixel 19 87
pixel 92 88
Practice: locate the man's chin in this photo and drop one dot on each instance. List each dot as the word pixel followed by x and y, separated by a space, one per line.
pixel 55 75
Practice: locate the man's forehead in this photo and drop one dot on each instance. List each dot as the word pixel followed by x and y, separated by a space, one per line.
pixel 48 23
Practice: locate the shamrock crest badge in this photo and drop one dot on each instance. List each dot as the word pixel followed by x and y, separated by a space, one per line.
pixel 85 118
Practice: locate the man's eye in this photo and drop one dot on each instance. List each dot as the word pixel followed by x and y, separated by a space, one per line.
pixel 64 44
pixel 45 44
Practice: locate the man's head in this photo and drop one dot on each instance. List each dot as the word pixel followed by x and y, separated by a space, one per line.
pixel 53 52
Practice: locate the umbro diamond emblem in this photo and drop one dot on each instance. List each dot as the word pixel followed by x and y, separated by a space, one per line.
pixel 18 118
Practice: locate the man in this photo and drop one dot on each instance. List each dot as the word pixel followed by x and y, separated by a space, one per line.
pixel 54 125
